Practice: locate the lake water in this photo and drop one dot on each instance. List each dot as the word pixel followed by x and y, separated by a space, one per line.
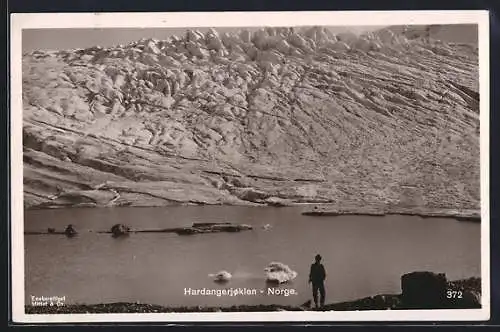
pixel 363 255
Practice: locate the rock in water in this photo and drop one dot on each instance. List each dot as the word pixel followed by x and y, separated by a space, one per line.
pixel 277 107
pixel 279 273
pixel 470 299
pixel 70 231
pixel 424 290
pixel 188 231
pixel 221 276
pixel 119 230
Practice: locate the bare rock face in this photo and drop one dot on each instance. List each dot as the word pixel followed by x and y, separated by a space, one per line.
pixel 390 118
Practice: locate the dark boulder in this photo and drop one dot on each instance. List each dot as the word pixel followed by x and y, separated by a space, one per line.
pixel 51 230
pixel 187 231
pixel 119 230
pixel 424 290
pixel 70 231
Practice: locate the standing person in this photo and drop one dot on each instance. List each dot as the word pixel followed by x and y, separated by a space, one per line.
pixel 317 277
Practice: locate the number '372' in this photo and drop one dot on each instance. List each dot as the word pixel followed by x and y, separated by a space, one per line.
pixel 453 294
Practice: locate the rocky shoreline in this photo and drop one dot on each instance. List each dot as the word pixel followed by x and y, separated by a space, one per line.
pixel 469 298
pixel 460 215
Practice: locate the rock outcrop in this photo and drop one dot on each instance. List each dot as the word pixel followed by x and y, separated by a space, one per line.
pixel 120 230
pixel 272 117
pixel 330 210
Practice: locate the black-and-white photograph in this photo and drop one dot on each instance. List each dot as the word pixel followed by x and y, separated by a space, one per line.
pixel 317 168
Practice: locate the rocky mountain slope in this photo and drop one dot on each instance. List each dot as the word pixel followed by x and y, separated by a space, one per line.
pixel 276 116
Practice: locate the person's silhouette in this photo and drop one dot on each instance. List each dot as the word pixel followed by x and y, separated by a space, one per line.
pixel 317 277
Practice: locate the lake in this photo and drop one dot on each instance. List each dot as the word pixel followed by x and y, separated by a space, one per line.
pixel 363 255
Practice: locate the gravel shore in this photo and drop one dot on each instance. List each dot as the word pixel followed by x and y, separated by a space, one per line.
pixel 471 289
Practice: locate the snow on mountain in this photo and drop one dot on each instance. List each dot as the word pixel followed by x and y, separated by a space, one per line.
pixel 386 118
